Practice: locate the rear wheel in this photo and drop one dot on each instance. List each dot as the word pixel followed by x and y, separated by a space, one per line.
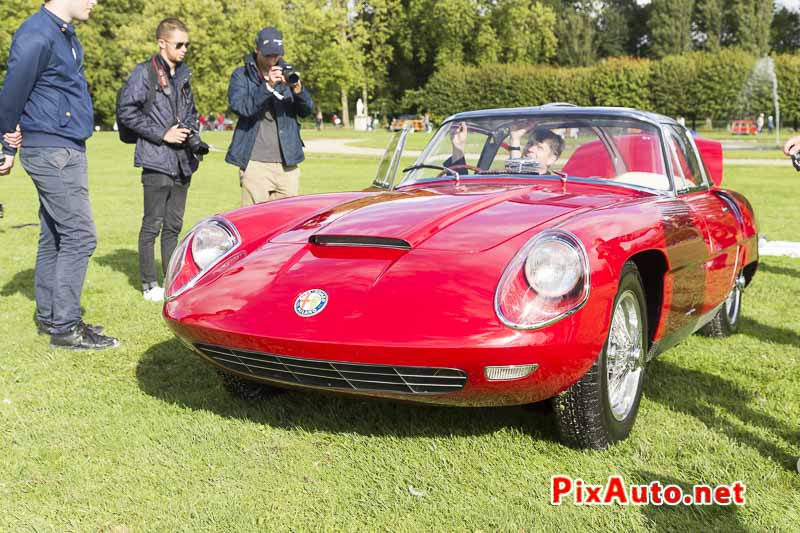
pixel 726 321
pixel 246 390
pixel 601 408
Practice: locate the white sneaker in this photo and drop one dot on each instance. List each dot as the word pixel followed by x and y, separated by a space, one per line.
pixel 155 294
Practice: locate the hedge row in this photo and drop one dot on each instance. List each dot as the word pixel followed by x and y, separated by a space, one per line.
pixel 721 86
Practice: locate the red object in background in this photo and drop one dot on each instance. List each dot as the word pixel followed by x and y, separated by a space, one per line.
pixel 743 127
pixel 711 153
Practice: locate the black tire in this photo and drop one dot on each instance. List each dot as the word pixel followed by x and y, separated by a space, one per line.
pixel 243 389
pixel 583 412
pixel 726 322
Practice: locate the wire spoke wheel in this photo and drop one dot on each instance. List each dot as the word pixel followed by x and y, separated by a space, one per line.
pixel 624 355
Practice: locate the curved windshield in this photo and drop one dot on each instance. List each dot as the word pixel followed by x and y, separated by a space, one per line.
pixel 621 150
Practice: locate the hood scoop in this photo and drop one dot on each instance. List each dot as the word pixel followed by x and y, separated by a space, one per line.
pixel 367 241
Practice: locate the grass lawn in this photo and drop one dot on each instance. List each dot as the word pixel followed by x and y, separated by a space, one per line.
pixel 143 438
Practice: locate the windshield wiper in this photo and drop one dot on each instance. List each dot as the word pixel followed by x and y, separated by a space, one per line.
pixel 434 167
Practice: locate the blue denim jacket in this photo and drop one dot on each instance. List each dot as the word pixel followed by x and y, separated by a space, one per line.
pixel 45 89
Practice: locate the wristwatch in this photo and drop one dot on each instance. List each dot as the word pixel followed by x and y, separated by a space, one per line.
pixel 514 148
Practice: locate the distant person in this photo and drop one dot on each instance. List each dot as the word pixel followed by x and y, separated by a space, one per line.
pixel 426 121
pixel 46 65
pixel 266 145
pixel 760 123
pixel 220 122
pixel 202 121
pixel 770 123
pixel 318 120
pixel 167 148
pixel 336 120
pixel 212 122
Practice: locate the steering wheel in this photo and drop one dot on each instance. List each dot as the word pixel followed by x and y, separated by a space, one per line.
pixel 457 167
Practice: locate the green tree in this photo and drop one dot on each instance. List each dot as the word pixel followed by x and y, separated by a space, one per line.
pixel 670 24
pixel 710 22
pixel 784 34
pixel 575 32
pixel 533 38
pixel 619 31
pixel 751 26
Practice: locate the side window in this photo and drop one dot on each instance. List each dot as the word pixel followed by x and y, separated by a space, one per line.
pixel 685 166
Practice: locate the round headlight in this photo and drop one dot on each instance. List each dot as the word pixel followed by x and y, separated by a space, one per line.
pixel 210 242
pixel 553 267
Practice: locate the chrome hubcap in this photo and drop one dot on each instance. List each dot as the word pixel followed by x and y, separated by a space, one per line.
pixel 734 301
pixel 624 355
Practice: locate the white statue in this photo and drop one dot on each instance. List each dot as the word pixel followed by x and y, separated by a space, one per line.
pixel 359 107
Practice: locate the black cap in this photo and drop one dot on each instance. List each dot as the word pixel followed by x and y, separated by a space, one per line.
pixel 269 42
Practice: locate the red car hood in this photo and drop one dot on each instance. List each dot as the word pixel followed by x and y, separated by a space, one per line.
pixel 441 223
pixel 459 217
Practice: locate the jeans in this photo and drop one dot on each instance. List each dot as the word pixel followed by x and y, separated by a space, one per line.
pixel 164 205
pixel 67 237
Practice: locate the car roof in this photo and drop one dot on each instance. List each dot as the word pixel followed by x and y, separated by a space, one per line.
pixel 562 109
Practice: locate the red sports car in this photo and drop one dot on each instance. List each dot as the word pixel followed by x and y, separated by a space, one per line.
pixel 528 254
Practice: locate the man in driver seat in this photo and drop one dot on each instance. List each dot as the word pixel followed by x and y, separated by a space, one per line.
pixel 543 146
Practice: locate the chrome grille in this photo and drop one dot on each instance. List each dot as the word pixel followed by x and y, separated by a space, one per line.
pixel 336 374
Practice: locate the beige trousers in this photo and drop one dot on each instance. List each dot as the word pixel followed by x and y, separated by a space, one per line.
pixel 263 182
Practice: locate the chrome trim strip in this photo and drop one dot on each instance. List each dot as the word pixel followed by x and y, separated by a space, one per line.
pixel 221 355
pixel 567 236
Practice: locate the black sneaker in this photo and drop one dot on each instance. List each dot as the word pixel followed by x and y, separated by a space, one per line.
pixel 44 328
pixel 81 337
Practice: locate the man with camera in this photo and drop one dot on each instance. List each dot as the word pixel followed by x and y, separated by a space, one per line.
pixel 156 110
pixel 46 93
pixel 268 96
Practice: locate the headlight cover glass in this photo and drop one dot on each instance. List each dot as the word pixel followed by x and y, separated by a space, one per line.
pixel 546 281
pixel 553 267
pixel 208 243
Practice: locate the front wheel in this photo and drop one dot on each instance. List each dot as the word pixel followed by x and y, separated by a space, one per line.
pixel 601 407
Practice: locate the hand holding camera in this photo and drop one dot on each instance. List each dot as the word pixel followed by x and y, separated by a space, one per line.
pixel 176 134
pixel 192 139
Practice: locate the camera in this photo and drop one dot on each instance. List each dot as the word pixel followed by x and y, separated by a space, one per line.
pixel 291 76
pixel 193 140
pixel 796 160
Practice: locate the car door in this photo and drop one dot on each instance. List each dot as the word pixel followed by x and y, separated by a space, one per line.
pixel 721 229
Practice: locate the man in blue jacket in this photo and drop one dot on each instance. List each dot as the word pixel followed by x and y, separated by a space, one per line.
pixel 266 145
pixel 46 93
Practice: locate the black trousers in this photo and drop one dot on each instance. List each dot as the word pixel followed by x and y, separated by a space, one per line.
pixel 164 205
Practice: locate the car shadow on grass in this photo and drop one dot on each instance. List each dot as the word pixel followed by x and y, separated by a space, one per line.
pixel 684 517
pixel 769 334
pixel 21 283
pixel 127 262
pixel 173 373
pixel 774 269
pixel 723 406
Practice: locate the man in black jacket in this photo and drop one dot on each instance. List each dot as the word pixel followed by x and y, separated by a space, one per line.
pixel 266 145
pixel 163 125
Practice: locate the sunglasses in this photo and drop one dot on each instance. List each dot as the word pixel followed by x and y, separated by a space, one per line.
pixel 178 46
